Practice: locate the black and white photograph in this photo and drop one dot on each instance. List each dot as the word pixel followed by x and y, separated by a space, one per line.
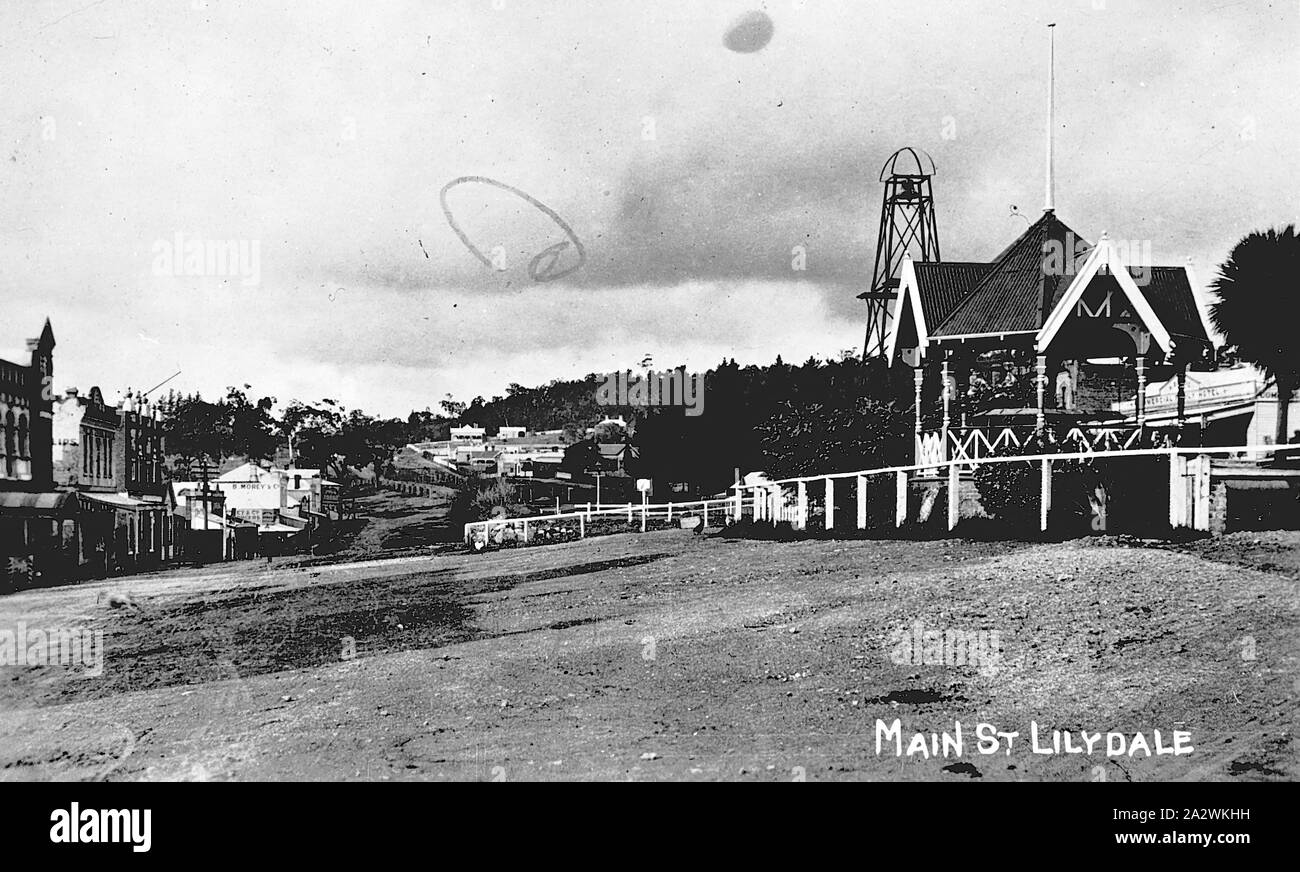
pixel 650 390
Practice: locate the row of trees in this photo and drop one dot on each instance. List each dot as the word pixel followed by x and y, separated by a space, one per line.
pixel 324 435
pixel 783 418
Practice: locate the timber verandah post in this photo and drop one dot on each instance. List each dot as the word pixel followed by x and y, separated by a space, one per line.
pixel 946 393
pixel 1040 379
pixel 1182 397
pixel 1140 401
pixel 919 379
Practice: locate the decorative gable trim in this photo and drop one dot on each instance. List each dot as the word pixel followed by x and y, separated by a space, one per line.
pixel 1103 254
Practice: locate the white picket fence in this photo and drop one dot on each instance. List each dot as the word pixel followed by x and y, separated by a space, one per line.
pixel 492 532
pixel 770 500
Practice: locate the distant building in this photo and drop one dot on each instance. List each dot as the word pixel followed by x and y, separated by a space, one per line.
pixel 607 421
pixel 113 457
pixel 276 500
pixel 468 433
pixel 38 525
pixel 85 431
pixel 1236 406
pixel 26 411
pixel 511 432
pixel 614 456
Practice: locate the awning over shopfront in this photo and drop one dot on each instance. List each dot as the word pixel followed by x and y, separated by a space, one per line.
pixel 120 501
pixel 54 504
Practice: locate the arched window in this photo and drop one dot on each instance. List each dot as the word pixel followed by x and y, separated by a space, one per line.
pixel 24 446
pixel 11 450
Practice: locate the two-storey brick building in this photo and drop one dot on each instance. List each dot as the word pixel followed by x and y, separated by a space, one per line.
pixel 37 523
pixel 113 457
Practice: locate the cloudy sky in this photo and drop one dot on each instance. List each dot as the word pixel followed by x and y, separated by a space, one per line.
pixel 323 133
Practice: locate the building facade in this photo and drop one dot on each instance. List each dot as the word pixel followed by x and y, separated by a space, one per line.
pixel 112 457
pixel 26 410
pixel 37 524
pixel 1043 342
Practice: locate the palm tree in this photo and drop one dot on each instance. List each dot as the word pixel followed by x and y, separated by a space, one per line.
pixel 1257 306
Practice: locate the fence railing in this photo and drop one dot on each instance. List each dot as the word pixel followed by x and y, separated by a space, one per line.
pixel 577 524
pixel 772 500
pixel 787 499
pixel 441 476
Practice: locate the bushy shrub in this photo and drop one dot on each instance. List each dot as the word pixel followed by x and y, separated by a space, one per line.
pixel 478 496
pixel 1009 491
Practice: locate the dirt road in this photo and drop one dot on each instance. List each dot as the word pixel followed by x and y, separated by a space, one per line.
pixel 674 657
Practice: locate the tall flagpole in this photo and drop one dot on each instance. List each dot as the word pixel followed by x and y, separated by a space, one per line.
pixel 1050 204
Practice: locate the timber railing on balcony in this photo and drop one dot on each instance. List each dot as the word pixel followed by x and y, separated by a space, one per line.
pixel 973 444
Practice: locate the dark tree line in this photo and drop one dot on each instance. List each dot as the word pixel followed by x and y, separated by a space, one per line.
pixel 784 419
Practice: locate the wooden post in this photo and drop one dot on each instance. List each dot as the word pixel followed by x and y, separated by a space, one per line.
pixel 801 509
pixel 1041 378
pixel 1177 491
pixel 900 499
pixel 862 502
pixel 1045 494
pixel 954 495
pixel 706 511
pixel 947 399
pixel 919 378
pixel 670 511
pixel 1182 397
pixel 1201 493
pixel 1140 401
pixel 526 529
pixel 582 528
pixel 830 504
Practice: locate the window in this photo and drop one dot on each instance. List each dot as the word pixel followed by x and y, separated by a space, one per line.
pixel 10 449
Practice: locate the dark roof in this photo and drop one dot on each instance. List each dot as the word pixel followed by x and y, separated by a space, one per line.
pixel 1172 299
pixel 51 504
pixel 1020 289
pixel 942 286
pixel 614 450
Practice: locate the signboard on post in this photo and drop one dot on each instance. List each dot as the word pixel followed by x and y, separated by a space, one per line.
pixel 331 499
pixel 202 470
pixel 643 485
